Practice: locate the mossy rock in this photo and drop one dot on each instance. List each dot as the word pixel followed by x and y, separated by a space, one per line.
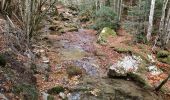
pixel 122 50
pixel 168 59
pixel 2 61
pixel 56 90
pixel 137 79
pixel 105 33
pixel 73 71
pixel 162 54
pixel 165 60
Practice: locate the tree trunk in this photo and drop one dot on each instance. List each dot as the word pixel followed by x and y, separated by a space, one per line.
pixel 151 20
pixel 120 10
pixel 167 27
pixel 164 25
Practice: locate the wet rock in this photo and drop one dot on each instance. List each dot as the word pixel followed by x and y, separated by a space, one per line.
pixel 72 53
pixel 90 65
pixel 113 89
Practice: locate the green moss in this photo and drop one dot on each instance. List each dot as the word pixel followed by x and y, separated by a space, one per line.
pixel 50 97
pixel 165 60
pixel 142 55
pixel 137 78
pixel 162 54
pixel 105 33
pixel 122 50
pixel 29 91
pixel 2 61
pixel 142 67
pixel 56 90
pixel 168 59
pixel 74 70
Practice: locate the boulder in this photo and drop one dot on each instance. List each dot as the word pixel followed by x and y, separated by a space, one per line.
pixel 105 33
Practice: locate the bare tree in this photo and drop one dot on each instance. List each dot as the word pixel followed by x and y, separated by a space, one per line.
pixel 164 28
pixel 151 20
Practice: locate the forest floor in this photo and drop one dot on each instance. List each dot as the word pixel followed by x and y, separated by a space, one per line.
pixel 79 48
pixel 68 56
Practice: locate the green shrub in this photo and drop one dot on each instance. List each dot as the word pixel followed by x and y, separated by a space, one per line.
pixel 140 38
pixel 56 90
pixel 30 92
pixel 105 17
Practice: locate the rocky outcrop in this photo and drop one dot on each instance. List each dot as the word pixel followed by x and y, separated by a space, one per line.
pixel 111 89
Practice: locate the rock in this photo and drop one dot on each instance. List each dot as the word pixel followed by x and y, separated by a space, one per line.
pixel 41 67
pixel 62 95
pixel 45 60
pixel 124 66
pixel 112 73
pixel 45 96
pixel 3 26
pixel 3 97
pixel 154 70
pixel 113 89
pixel 105 33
